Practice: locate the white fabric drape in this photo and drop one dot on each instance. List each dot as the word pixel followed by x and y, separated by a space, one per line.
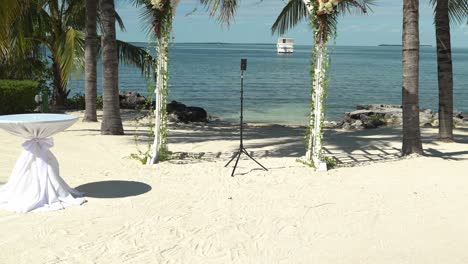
pixel 35 183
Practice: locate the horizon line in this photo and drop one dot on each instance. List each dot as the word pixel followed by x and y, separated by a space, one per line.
pixel 264 43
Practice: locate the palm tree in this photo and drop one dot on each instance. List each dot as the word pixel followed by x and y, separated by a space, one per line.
pixel 58 26
pixel 323 16
pixel 6 18
pixel 91 46
pixel 111 120
pixel 411 132
pixel 445 12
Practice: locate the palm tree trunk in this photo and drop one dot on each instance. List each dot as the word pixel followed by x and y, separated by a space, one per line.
pixel 111 120
pixel 411 132
pixel 314 148
pixel 90 62
pixel 445 73
pixel 59 93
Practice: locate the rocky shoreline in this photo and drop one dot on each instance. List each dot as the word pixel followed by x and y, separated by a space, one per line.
pixel 366 116
pixel 380 115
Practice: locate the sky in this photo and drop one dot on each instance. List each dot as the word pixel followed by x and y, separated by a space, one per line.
pixel 254 18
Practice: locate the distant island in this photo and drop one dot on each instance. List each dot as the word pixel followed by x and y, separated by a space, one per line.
pixel 396 45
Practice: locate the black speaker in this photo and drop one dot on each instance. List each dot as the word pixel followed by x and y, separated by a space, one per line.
pixel 243 64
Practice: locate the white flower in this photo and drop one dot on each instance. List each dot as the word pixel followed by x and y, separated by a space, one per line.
pixel 156 3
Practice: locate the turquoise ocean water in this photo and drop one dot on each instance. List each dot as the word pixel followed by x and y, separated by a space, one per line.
pixel 277 86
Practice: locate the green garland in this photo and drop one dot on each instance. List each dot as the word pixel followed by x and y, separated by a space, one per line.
pixel 162 26
pixel 323 17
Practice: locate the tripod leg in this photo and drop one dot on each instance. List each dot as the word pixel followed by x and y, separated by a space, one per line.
pixel 233 157
pixel 246 153
pixel 227 164
pixel 237 161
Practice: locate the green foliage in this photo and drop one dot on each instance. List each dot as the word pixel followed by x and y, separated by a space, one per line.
pixel 324 25
pixel 22 68
pixel 306 162
pixel 161 20
pixel 376 117
pixel 330 161
pixel 55 26
pixel 141 156
pixel 78 102
pixel 17 96
pixel 458 10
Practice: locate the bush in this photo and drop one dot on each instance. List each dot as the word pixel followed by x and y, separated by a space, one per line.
pixel 17 97
pixel 77 102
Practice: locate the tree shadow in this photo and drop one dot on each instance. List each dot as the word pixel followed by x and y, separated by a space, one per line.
pixel 97 132
pixel 270 140
pixel 446 155
pixel 461 139
pixel 113 189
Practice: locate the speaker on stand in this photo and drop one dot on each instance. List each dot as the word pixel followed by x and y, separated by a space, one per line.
pixel 241 145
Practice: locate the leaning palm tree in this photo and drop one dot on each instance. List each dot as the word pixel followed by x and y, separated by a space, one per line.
pixel 160 14
pixel 411 132
pixel 323 15
pixel 111 120
pixel 446 11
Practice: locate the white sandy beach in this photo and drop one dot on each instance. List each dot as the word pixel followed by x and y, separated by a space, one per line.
pixel 191 211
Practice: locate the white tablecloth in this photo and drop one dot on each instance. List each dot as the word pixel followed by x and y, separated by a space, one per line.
pixel 35 183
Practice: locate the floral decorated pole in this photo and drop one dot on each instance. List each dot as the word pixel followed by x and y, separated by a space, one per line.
pixel 163 11
pixel 323 16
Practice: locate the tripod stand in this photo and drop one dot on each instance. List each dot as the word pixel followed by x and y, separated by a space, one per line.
pixel 241 145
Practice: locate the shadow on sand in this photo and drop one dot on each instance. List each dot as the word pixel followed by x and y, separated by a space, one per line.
pixel 113 189
pixel 270 140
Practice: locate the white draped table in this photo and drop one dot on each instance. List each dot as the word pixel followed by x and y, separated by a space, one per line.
pixel 35 183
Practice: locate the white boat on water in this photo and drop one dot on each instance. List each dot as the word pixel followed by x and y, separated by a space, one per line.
pixel 285 45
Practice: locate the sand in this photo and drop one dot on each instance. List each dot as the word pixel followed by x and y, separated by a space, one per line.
pixel 376 208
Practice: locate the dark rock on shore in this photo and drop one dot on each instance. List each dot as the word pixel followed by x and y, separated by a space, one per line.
pixel 132 100
pixel 179 112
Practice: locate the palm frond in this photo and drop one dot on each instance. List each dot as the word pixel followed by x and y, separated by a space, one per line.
pixel 458 10
pixel 131 55
pixel 226 9
pixel 70 53
pixel 296 10
pixel 147 17
pixel 120 22
pixel 293 13
pixel 355 7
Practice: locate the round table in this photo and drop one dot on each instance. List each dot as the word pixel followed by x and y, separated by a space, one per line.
pixel 35 183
